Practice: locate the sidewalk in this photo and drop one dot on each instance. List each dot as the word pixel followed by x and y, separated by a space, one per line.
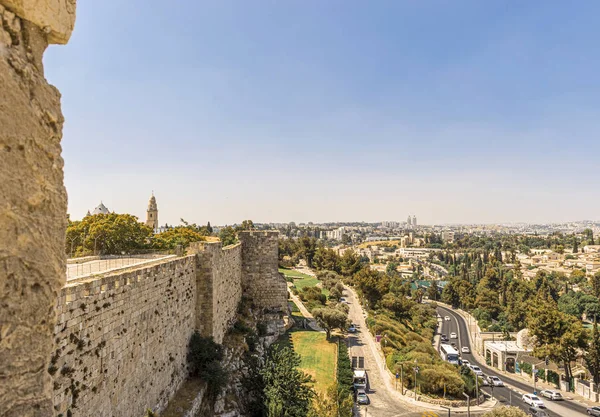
pixel 540 385
pixel 312 323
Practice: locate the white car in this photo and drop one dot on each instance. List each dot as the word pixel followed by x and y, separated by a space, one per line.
pixel 452 335
pixel 476 369
pixel 465 349
pixel 552 395
pixel 447 318
pixel 533 400
pixel 495 381
pixel 466 362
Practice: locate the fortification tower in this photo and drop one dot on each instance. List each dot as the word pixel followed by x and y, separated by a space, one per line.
pixel 152 213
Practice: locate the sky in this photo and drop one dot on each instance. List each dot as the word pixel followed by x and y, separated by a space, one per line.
pixel 338 110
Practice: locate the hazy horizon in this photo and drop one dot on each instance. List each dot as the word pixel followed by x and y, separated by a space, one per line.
pixel 464 113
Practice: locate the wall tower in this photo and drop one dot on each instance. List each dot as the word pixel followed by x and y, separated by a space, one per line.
pixel 152 214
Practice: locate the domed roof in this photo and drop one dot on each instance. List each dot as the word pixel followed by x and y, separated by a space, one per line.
pixel 101 209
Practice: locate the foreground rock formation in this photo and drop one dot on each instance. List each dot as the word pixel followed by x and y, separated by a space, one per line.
pixel 33 202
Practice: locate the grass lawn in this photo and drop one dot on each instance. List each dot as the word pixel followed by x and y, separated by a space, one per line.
pixel 302 280
pixel 318 356
pixel 295 310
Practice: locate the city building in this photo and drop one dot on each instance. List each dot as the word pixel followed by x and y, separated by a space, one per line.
pixel 448 236
pixel 414 220
pixel 409 221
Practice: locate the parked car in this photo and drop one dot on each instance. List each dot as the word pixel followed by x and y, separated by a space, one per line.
pixel 352 328
pixel 537 412
pixel 465 349
pixel 361 397
pixel 466 362
pixel 447 318
pixel 476 369
pixel 533 401
pixel 552 395
pixel 495 381
pixel 593 411
pixel 452 335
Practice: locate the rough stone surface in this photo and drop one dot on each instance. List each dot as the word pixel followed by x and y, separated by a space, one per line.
pixel 55 17
pixel 261 280
pixel 219 287
pixel 33 208
pixel 122 340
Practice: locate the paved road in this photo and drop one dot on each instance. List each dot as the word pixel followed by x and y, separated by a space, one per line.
pixel 383 403
pixel 506 395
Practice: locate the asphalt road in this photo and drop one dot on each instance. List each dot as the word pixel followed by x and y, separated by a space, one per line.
pixel 505 395
pixel 382 402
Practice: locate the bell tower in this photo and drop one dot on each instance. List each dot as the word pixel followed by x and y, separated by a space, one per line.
pixel 152 213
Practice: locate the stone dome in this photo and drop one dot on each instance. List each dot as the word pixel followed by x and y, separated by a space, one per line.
pixel 101 209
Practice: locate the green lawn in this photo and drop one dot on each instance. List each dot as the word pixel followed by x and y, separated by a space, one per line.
pixel 302 280
pixel 318 356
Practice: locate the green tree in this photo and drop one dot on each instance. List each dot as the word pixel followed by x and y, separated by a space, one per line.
pixel 592 355
pixel 107 234
pixel 227 236
pixel 204 356
pixel 177 236
pixel 287 389
pixel 433 291
pixel 331 318
pixel 350 263
pixel 559 336
pixel 246 225
pixel 595 281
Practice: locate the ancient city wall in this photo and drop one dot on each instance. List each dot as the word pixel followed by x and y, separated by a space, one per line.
pixel 121 340
pixel 219 287
pixel 33 202
pixel 261 280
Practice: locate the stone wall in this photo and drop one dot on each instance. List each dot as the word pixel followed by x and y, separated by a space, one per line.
pixel 219 287
pixel 122 340
pixel 33 202
pixel 261 280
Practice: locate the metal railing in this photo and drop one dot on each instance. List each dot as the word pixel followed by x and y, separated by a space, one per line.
pixel 106 263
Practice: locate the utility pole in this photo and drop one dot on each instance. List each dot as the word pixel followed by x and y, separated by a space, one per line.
pixel 402 379
pixel 477 388
pixel 416 372
pixel 446 408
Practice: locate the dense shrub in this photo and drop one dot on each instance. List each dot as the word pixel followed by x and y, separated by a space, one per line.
pixel 204 356
pixel 506 412
pixel 344 368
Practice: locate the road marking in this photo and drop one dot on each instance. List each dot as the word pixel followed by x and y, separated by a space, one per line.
pixel 429 414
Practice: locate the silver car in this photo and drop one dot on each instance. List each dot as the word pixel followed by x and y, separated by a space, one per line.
pixel 593 411
pixel 552 395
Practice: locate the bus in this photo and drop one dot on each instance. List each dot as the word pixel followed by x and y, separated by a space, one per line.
pixel 448 353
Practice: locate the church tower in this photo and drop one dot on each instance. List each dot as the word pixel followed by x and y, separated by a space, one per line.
pixel 152 214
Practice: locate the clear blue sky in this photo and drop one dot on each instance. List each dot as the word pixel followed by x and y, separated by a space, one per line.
pixel 296 110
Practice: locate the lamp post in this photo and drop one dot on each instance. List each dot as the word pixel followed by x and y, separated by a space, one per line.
pixel 446 408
